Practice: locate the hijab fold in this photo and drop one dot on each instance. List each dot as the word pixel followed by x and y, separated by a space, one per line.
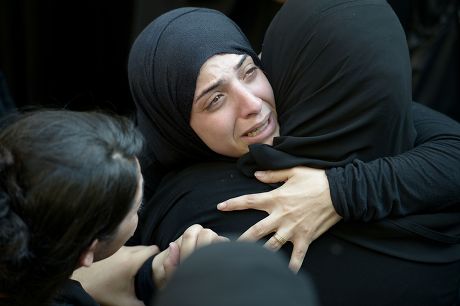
pixel 341 75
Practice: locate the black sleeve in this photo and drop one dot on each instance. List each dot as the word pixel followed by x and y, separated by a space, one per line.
pixel 426 178
pixel 143 284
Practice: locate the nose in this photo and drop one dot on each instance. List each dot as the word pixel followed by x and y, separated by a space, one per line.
pixel 248 103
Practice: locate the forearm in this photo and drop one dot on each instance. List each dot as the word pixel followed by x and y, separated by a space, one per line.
pixel 426 178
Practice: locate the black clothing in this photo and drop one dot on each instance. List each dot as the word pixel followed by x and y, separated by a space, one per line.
pixel 236 273
pixel 344 272
pixel 341 75
pixel 402 186
pixel 144 285
pixel 360 108
pixel 396 199
pixel 73 294
pixel 347 66
pixel 163 67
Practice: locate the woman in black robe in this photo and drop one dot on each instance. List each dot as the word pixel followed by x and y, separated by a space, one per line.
pixel 345 259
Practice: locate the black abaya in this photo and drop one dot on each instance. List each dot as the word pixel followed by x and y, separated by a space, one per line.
pixel 343 272
pixel 190 196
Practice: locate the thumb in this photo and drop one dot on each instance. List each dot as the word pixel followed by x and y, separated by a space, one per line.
pixel 273 176
pixel 172 261
pixel 139 257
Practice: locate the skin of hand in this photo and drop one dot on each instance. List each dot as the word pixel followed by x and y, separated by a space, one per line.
pixel 194 237
pixel 299 211
pixel 111 281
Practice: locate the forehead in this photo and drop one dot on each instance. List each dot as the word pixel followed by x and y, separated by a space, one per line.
pixel 221 63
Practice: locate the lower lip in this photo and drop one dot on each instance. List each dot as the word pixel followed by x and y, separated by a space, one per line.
pixel 264 136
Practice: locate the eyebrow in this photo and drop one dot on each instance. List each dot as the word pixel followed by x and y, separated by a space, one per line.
pixel 240 63
pixel 210 88
pixel 219 82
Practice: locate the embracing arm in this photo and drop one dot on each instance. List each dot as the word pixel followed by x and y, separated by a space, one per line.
pixel 426 178
pixel 309 203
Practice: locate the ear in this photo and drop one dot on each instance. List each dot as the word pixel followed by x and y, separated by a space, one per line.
pixel 87 256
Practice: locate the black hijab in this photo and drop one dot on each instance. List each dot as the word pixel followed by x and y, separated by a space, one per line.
pixel 164 63
pixel 190 196
pixel 341 75
pixel 236 273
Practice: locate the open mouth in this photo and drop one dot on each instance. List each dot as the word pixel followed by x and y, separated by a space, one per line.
pixel 259 129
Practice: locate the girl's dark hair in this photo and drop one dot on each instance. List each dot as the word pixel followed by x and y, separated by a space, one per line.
pixel 66 178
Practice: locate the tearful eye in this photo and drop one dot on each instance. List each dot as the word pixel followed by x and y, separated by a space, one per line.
pixel 250 72
pixel 214 102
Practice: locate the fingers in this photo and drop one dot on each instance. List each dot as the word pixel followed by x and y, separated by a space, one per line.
pixel 260 229
pixel 189 241
pixel 139 256
pixel 205 237
pixel 277 241
pixel 298 255
pixel 274 176
pixel 172 260
pixel 142 251
pixel 253 201
pixel 196 236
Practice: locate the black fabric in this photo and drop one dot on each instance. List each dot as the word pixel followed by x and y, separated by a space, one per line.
pixel 73 294
pixel 426 178
pixel 143 283
pixel 343 272
pixel 429 235
pixel 341 75
pixel 343 93
pixel 6 102
pixel 163 67
pixel 233 273
pixel 381 256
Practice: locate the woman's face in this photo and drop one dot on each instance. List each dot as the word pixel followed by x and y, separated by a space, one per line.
pixel 234 105
pixel 126 228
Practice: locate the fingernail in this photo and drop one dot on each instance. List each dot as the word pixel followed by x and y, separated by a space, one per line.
pixel 221 205
pixel 259 174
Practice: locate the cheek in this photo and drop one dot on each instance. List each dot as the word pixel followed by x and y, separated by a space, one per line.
pixel 214 128
pixel 134 224
pixel 129 227
pixel 265 91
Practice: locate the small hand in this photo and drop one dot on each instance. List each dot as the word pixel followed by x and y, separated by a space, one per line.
pixel 299 211
pixel 194 237
pixel 111 281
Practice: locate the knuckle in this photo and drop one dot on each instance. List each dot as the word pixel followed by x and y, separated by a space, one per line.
pixel 192 230
pixel 258 229
pixel 250 200
pixel 299 254
pixel 209 232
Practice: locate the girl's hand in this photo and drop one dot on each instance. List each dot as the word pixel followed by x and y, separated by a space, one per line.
pixel 111 281
pixel 194 237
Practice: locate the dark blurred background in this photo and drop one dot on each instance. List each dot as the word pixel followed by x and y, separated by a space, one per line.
pixel 74 53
